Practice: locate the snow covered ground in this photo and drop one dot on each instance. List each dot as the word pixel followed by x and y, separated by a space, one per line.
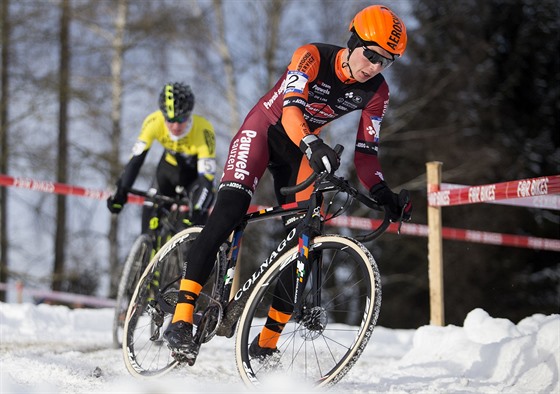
pixel 52 349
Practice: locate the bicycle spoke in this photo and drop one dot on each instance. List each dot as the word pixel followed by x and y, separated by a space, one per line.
pixel 322 341
pixel 151 310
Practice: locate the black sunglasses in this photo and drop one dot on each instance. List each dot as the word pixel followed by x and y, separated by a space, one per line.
pixel 376 58
pixel 179 119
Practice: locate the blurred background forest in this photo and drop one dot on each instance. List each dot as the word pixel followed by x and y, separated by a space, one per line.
pixel 477 89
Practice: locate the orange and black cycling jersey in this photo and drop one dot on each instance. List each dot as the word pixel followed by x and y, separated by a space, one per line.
pixel 314 91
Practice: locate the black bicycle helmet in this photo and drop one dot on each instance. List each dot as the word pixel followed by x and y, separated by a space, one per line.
pixel 176 101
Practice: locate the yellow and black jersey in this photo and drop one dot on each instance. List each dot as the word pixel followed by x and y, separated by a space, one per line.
pixel 199 142
pixel 194 152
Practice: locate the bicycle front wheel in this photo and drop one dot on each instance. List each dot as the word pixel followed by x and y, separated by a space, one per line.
pixel 136 261
pixel 152 306
pixel 322 340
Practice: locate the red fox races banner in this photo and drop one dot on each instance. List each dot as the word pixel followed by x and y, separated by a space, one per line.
pixel 508 190
pixel 61 188
pixel 534 188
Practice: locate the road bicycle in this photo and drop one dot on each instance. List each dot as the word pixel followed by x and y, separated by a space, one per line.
pixel 170 215
pixel 331 281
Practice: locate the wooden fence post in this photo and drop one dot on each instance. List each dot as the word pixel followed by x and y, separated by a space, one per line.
pixel 435 253
pixel 19 291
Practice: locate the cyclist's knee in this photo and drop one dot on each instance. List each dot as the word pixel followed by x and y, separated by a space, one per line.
pixel 231 205
pixel 199 217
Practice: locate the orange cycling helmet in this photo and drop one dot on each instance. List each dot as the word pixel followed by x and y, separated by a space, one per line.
pixel 378 25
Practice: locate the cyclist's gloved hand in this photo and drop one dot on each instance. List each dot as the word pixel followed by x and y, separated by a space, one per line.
pixel 116 202
pixel 398 204
pixel 201 193
pixel 321 156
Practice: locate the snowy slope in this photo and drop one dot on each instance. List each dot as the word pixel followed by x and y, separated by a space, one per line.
pixel 52 349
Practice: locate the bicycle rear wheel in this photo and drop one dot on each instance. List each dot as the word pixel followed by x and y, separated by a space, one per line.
pixel 136 261
pixel 152 306
pixel 321 344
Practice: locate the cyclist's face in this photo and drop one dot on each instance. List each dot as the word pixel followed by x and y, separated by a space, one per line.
pixel 175 128
pixel 362 68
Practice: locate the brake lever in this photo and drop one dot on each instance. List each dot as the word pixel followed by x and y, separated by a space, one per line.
pixel 404 199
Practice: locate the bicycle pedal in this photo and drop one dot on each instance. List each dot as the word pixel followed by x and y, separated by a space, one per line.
pixel 184 358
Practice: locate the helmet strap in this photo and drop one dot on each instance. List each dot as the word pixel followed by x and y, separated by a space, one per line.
pixel 347 64
pixel 353 42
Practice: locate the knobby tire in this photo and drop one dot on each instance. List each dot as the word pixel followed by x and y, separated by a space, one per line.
pixel 145 353
pixel 351 299
pixel 136 261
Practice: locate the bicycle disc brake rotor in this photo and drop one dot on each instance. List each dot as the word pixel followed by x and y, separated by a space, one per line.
pixel 314 320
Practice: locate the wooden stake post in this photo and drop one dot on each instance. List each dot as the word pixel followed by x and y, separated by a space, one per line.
pixel 435 253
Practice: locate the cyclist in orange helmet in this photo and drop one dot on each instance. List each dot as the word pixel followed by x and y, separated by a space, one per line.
pixel 322 83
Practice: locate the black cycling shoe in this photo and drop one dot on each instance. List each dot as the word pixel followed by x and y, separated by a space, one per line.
pixel 179 338
pixel 261 353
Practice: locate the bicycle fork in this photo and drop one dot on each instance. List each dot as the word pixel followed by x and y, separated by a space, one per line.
pixel 307 309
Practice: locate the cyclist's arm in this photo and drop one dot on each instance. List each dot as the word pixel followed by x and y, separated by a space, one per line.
pixel 139 151
pixel 205 148
pixel 131 170
pixel 302 69
pixel 366 159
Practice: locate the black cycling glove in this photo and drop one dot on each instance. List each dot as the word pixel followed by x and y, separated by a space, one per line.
pixel 201 193
pixel 116 202
pixel 399 204
pixel 321 156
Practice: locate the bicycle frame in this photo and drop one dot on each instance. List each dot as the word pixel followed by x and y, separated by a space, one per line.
pixel 310 225
pixel 299 278
pixel 165 222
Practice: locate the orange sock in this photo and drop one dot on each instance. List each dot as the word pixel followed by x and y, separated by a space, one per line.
pixel 276 321
pixel 188 294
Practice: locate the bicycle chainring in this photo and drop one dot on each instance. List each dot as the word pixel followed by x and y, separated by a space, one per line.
pixel 209 322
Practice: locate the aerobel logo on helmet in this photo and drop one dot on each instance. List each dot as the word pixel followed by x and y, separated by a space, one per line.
pixel 396 32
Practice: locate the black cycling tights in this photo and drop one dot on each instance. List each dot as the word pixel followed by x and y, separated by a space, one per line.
pixel 231 206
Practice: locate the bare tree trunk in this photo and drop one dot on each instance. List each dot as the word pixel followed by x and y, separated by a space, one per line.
pixel 62 159
pixel 117 89
pixel 223 49
pixel 4 18
pixel 274 11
